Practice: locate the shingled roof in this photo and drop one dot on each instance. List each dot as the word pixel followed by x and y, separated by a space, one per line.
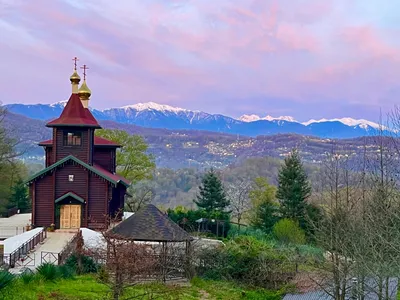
pixel 74 114
pixel 149 224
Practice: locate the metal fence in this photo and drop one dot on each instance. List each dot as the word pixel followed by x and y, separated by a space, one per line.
pixel 22 251
pixel 49 257
pixel 69 248
pixel 60 258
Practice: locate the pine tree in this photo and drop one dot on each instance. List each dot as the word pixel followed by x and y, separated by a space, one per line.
pixel 293 189
pixel 212 196
pixel 19 197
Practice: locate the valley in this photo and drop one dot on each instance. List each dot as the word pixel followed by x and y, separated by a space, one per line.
pixel 176 148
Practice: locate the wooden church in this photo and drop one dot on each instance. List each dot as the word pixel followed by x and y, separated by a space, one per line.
pixel 79 186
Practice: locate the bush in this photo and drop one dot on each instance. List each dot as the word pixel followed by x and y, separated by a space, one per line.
pixel 6 279
pixel 247 260
pixel 310 255
pixel 49 272
pixel 66 272
pixel 103 276
pixel 27 276
pixel 87 264
pixel 288 231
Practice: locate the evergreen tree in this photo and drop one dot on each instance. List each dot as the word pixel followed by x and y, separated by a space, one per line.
pixel 293 189
pixel 212 196
pixel 19 197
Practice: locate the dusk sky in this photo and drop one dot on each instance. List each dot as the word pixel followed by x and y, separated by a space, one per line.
pixel 304 58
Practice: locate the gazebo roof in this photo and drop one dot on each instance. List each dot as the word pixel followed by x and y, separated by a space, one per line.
pixel 149 224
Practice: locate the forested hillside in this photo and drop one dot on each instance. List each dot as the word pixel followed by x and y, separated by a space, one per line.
pixel 171 188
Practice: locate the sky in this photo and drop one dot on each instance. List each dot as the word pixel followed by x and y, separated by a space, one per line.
pixel 303 58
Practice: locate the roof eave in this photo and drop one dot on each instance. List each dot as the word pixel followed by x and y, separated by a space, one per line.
pixel 65 159
pixel 124 183
pixel 70 194
pixel 97 126
pixel 107 146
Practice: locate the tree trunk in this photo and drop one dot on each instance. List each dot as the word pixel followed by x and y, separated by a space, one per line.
pixel 387 288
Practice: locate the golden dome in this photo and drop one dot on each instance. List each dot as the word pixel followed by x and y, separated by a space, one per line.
pixel 84 91
pixel 75 78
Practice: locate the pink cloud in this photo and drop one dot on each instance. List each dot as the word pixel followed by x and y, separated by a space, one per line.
pixel 365 40
pixel 300 50
pixel 295 38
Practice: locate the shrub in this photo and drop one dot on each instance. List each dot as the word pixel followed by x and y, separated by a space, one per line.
pixel 103 276
pixel 87 264
pixel 6 279
pixel 27 276
pixel 288 231
pixel 247 260
pixel 310 255
pixel 66 272
pixel 48 272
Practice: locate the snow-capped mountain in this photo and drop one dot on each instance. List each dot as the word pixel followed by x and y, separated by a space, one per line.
pixel 154 106
pixel 254 118
pixel 155 115
pixel 347 121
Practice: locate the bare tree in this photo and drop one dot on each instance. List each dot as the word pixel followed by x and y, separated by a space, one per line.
pixel 140 196
pixel 380 254
pixel 335 232
pixel 360 227
pixel 126 263
pixel 122 262
pixel 238 195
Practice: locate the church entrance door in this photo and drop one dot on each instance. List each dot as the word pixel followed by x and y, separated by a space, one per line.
pixel 70 216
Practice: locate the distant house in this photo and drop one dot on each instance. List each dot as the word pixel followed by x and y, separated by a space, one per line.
pixel 79 185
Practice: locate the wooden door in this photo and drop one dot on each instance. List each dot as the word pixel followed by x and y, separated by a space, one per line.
pixel 75 216
pixel 65 216
pixel 70 216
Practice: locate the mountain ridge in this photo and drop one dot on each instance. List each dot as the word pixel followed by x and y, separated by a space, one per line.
pixel 154 115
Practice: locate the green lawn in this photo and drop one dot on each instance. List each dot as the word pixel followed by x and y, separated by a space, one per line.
pixel 86 287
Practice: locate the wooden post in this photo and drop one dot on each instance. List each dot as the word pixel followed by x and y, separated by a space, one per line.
pixel 54 196
pixel 33 202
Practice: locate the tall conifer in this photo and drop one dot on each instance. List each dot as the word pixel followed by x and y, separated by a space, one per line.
pixel 212 196
pixel 293 189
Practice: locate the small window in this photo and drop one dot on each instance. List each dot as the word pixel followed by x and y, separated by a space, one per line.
pixel 72 138
pixel 70 177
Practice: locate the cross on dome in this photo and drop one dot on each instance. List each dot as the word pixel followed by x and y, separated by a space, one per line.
pixel 75 59
pixel 84 67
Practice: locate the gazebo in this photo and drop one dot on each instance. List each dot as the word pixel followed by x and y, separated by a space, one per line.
pixel 171 244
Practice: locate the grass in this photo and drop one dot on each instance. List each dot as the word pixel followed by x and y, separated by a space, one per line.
pixel 87 287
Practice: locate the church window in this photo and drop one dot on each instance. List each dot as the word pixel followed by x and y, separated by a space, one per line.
pixel 72 138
